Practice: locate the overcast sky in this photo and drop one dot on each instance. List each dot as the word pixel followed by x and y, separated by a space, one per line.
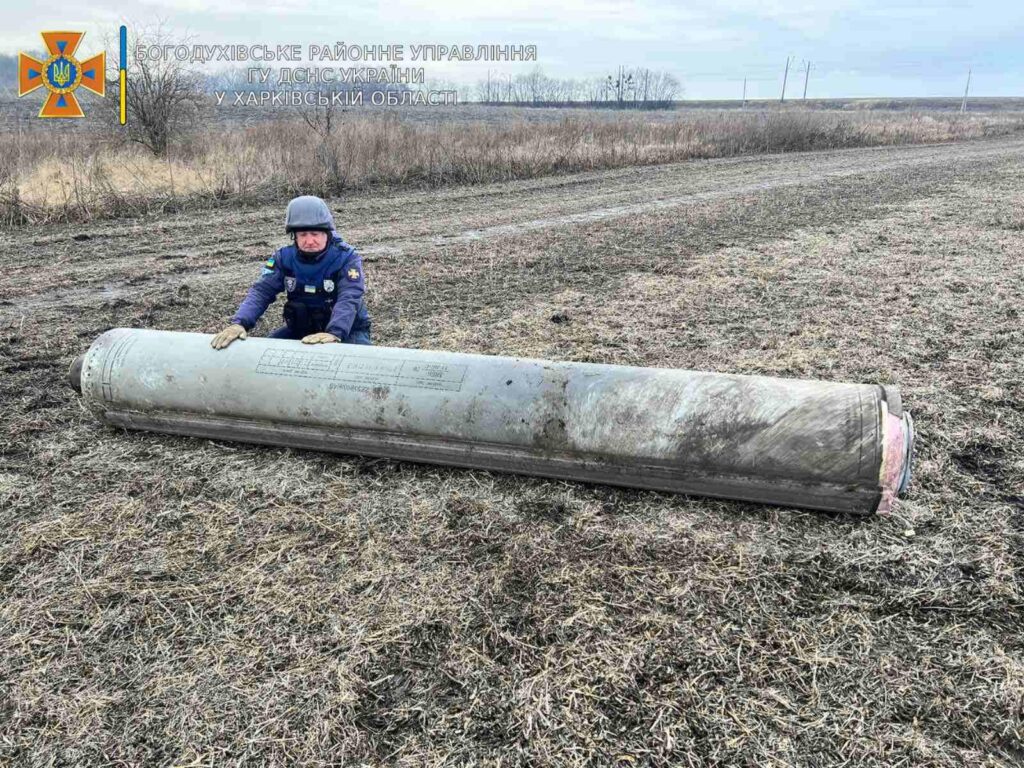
pixel 856 47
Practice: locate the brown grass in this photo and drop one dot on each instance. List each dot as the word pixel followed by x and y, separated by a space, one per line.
pixel 71 177
pixel 170 601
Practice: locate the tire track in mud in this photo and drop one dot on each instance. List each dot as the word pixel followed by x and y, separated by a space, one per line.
pixel 633 191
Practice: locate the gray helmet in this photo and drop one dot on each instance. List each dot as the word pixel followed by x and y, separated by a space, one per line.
pixel 308 212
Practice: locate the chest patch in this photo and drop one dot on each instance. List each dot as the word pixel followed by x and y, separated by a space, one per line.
pixel 329 286
pixel 289 283
pixel 309 288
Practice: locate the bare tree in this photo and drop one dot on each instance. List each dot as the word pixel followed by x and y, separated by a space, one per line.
pixel 665 87
pixel 594 89
pixel 621 85
pixel 164 96
pixel 484 90
pixel 644 79
pixel 322 117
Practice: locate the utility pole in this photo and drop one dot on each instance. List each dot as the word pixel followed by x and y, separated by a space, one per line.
pixel 744 105
pixel 785 77
pixel 963 104
pixel 807 76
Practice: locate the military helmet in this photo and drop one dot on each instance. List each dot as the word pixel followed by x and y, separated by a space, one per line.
pixel 308 212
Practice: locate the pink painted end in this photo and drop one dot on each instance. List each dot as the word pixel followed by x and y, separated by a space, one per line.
pixel 897 454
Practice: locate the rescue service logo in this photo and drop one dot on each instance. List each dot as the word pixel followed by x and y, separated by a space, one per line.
pixel 61 74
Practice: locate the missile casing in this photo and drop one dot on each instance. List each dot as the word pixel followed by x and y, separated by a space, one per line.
pixel 820 445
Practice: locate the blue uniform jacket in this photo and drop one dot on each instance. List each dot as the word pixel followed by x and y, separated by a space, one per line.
pixel 326 295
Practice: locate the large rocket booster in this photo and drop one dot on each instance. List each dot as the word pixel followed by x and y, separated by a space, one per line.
pixel 820 445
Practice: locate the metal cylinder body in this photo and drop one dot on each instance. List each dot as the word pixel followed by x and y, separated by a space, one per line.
pixel 820 445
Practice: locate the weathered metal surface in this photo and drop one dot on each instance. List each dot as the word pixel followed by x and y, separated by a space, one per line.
pixel 821 445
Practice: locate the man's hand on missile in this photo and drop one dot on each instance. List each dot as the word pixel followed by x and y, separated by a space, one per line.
pixel 229 334
pixel 320 338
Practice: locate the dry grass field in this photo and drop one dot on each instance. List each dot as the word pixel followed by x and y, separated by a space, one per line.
pixel 174 601
pixel 87 171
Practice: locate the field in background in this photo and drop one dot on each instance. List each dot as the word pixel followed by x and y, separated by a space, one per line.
pixel 174 601
pixel 85 172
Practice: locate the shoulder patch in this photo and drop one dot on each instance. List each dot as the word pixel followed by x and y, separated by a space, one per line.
pixel 270 263
pixel 353 274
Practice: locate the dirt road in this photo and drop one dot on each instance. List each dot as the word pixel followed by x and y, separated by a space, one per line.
pixel 106 260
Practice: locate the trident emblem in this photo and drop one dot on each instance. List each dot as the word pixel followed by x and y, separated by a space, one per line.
pixel 61 74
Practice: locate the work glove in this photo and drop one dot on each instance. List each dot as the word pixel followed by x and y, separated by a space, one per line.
pixel 229 334
pixel 320 338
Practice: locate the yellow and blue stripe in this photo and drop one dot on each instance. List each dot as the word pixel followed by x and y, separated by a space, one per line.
pixel 123 74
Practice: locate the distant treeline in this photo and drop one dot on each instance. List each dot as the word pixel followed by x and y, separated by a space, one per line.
pixel 626 88
pixel 636 87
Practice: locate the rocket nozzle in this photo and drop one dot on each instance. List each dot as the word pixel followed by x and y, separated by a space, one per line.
pixel 75 374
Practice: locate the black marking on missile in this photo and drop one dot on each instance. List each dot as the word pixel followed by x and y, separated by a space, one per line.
pixel 307 365
pixel 112 362
pixel 368 371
